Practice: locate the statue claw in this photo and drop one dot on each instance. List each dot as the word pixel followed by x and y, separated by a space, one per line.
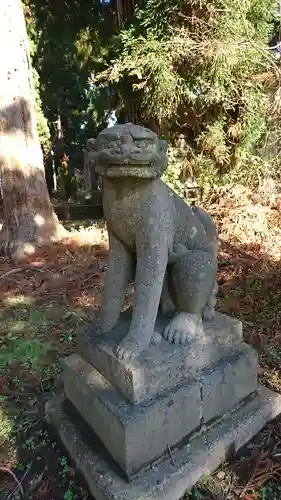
pixel 132 345
pixel 182 328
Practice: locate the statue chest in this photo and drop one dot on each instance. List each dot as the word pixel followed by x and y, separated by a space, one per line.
pixel 128 211
pixel 122 219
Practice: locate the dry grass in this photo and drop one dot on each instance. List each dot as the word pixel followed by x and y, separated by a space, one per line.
pixel 246 218
pixel 250 272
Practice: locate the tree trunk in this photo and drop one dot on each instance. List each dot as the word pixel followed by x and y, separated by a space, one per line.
pixel 29 219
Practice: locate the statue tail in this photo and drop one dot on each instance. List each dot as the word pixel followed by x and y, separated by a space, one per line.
pixel 211 231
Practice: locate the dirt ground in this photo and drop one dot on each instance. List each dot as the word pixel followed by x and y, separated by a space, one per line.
pixel 46 299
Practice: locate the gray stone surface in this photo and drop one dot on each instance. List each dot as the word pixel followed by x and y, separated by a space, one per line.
pixel 169 479
pixel 230 380
pixel 155 238
pixel 163 365
pixel 133 434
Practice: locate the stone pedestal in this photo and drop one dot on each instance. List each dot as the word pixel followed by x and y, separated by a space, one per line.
pixel 149 428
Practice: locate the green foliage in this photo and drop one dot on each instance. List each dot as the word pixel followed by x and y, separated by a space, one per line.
pixel 172 174
pixel 6 427
pixel 28 353
pixel 206 488
pixel 42 124
pixel 213 141
pixel 197 68
pixel 69 45
pixel 270 492
pixel 69 183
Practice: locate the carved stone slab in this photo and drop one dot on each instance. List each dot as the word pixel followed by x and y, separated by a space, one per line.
pixel 163 365
pixel 136 435
pixel 180 470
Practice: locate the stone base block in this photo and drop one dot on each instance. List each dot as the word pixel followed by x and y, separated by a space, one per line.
pixel 133 434
pixel 163 365
pixel 136 435
pixel 169 479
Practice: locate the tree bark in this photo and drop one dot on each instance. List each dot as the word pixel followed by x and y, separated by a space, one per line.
pixel 29 219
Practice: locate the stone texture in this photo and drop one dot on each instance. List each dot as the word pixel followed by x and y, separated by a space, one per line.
pixel 162 366
pixel 169 479
pixel 133 434
pixel 155 238
pixel 230 380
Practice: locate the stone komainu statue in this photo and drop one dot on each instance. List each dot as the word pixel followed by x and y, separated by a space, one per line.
pixel 155 238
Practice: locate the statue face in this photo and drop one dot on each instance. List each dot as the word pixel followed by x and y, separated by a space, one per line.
pixel 129 151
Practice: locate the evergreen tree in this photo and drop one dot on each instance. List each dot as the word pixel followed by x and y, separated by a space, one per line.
pixel 201 73
pixel 69 43
pixel 203 69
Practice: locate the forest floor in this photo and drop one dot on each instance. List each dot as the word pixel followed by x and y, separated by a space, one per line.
pixel 44 301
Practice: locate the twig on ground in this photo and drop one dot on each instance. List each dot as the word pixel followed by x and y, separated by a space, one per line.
pixel 19 487
pixel 9 471
pixel 18 270
pixel 12 271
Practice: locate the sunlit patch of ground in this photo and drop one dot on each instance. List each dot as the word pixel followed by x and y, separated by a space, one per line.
pixel 43 303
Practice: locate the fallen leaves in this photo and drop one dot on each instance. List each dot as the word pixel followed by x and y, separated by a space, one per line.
pixel 263 463
pixel 66 269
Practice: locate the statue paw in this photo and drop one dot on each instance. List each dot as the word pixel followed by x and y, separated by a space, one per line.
pixel 182 328
pixel 132 345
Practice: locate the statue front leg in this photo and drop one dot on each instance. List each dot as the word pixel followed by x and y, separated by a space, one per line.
pixel 119 273
pixel 152 260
